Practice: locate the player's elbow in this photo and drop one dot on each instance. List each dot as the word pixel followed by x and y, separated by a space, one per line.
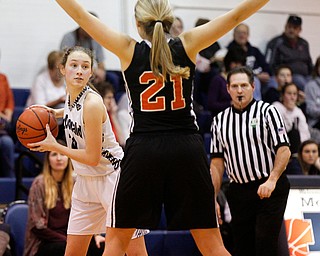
pixel 93 161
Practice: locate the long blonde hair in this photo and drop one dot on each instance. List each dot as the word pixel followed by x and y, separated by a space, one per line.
pixel 51 185
pixel 156 17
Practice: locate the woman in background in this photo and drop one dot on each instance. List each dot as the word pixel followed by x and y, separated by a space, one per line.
pixel 308 156
pixel 295 122
pixel 49 207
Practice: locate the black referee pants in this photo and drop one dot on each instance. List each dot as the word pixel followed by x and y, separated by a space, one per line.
pixel 256 222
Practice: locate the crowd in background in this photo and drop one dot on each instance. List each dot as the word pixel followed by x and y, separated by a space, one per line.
pixel 286 61
pixel 284 76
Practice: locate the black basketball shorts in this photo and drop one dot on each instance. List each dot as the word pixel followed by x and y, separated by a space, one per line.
pixel 169 170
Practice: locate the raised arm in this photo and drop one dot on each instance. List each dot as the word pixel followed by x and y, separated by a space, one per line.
pixel 114 41
pixel 203 36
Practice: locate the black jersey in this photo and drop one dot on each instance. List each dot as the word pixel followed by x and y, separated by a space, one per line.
pixel 158 105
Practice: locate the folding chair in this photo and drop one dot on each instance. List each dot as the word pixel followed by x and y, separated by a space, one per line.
pixel 16 215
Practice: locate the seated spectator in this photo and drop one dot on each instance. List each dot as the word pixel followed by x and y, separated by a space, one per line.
pixel 205 71
pixel 293 117
pixel 292 50
pixel 295 122
pixel 5 239
pixel 218 97
pixel 6 142
pixel 312 97
pixel 176 27
pixel 79 37
pixel 255 59
pixel 49 87
pixel 106 91
pixel 309 157
pixel 283 75
pixel 49 207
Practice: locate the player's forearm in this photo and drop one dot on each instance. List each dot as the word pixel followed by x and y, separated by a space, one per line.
pixel 58 113
pixel 73 8
pixel 249 7
pixel 84 156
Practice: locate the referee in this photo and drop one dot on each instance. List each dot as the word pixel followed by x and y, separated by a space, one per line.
pixel 249 141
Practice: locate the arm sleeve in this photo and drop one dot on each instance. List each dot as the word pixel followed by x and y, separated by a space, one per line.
pixel 312 102
pixel 216 150
pixel 277 128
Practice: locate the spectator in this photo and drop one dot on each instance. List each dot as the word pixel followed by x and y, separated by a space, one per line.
pixel 5 239
pixel 176 27
pixel 49 207
pixel 292 50
pixel 295 123
pixel 218 97
pixel 293 116
pixel 205 71
pixel 49 87
pixel 250 142
pixel 309 157
pixel 255 59
pixel 283 75
pixel 80 37
pixel 106 91
pixel 6 142
pixel 312 97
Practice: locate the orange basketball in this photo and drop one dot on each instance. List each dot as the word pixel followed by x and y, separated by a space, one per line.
pixel 31 125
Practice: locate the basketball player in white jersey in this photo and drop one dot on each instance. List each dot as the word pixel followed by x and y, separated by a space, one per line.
pixel 94 151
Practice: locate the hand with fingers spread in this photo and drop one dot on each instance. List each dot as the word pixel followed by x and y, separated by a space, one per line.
pixel 48 144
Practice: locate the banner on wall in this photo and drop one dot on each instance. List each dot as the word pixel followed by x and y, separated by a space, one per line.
pixel 302 220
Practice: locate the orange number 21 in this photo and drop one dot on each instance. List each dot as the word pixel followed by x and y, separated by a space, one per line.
pixel 158 103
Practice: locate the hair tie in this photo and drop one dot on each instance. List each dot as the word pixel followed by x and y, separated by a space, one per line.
pixel 159 21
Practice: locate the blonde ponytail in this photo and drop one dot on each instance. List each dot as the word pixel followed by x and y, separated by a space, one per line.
pixel 156 17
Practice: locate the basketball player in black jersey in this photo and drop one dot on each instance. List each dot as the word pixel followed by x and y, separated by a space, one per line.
pixel 165 161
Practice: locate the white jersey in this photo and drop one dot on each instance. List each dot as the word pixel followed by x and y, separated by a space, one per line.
pixel 111 152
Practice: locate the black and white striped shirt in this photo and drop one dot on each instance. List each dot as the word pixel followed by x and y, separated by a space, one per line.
pixel 248 140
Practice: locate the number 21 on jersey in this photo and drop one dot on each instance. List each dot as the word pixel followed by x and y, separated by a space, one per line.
pixel 158 103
